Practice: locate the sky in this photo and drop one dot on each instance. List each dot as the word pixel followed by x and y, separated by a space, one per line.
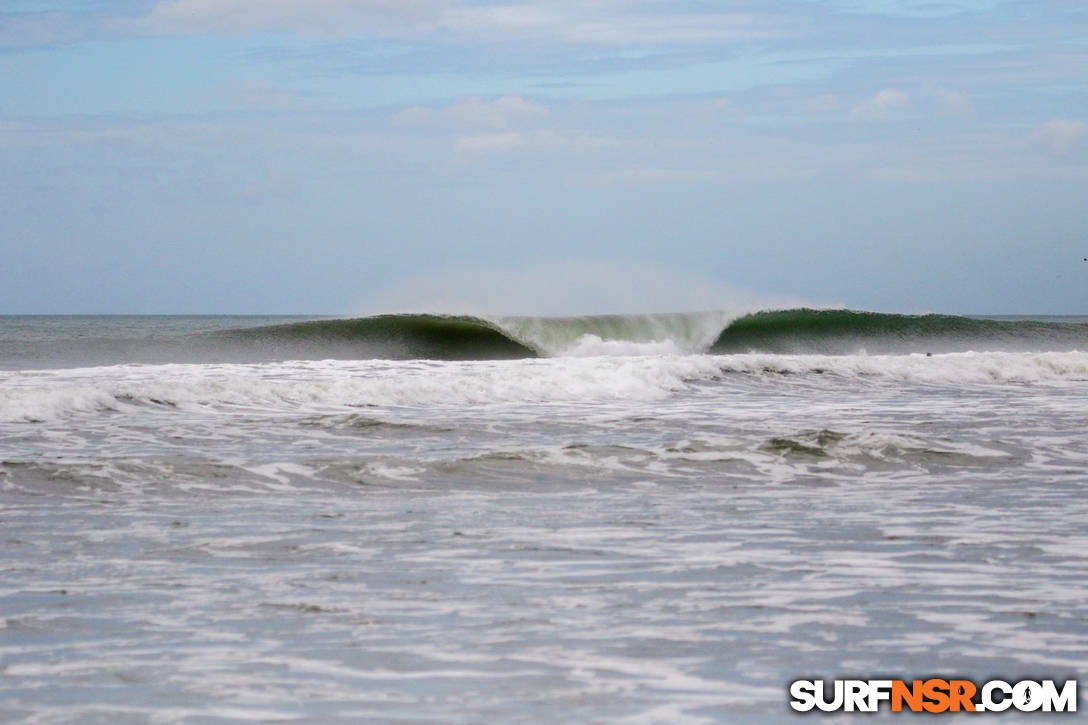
pixel 542 157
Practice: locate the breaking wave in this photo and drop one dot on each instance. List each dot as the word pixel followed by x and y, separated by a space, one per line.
pixel 439 337
pixel 793 331
pixel 847 331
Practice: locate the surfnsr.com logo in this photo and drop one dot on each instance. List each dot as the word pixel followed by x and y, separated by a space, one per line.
pixel 933 695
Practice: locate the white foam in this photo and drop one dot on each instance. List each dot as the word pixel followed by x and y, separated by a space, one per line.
pixel 951 368
pixel 320 385
pixel 649 334
pixel 331 384
pixel 594 346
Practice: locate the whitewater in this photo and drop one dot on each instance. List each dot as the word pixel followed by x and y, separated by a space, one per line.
pixel 447 518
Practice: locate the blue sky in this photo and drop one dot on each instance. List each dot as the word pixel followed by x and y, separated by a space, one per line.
pixel 338 156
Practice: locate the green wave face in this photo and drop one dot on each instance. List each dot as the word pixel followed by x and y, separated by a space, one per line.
pixel 846 331
pixel 433 337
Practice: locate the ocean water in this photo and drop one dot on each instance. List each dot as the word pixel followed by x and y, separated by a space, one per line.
pixel 645 519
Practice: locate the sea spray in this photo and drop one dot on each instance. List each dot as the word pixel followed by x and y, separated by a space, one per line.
pixel 664 333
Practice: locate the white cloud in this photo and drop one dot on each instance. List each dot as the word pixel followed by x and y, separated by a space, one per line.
pixel 332 17
pixel 472 112
pixel 486 142
pixel 1061 134
pixel 508 18
pixel 675 29
pixel 582 143
pixel 602 22
pixel 954 102
pixel 611 23
pixel 882 105
pixel 29 29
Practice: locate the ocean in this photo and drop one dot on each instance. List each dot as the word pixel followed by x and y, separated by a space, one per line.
pixel 617 518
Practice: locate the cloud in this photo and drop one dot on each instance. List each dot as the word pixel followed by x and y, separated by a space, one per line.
pixel 473 112
pixel 882 105
pixel 1062 135
pixel 611 23
pixel 485 142
pixel 954 102
pixel 602 23
pixel 29 29
pixel 331 17
pixel 503 18
pixel 482 126
pixel 915 10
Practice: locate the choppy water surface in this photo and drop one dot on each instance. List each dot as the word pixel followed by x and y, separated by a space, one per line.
pixel 652 538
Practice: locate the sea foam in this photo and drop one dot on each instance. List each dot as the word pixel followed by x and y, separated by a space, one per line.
pixel 337 384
